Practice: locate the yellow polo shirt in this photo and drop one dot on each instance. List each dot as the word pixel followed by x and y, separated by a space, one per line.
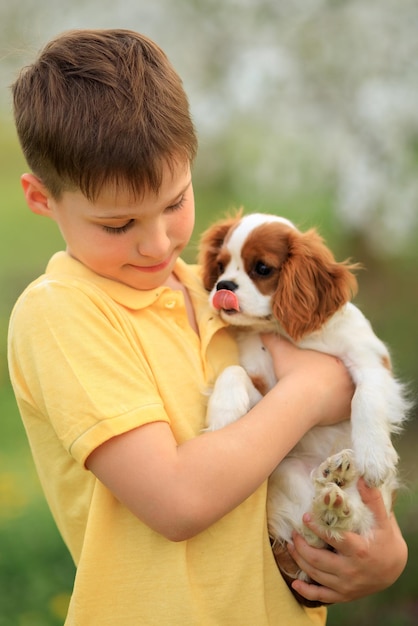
pixel 91 359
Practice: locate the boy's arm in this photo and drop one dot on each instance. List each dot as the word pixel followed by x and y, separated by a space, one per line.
pixel 358 567
pixel 180 490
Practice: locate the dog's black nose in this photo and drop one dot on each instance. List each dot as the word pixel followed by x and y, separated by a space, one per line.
pixel 226 284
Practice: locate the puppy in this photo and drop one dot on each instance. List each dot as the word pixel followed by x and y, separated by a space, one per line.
pixel 264 275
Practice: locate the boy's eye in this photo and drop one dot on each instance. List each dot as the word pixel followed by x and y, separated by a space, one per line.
pixel 118 230
pixel 177 205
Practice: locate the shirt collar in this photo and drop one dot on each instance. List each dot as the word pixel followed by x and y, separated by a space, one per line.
pixel 62 264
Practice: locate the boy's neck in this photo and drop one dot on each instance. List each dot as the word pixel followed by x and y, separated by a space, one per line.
pixel 174 283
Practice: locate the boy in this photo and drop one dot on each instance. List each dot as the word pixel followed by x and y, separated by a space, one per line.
pixel 112 349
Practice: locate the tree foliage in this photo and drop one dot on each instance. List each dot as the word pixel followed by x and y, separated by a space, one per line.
pixel 286 95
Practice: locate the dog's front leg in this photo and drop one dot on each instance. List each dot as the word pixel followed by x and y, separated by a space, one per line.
pixel 233 396
pixel 377 404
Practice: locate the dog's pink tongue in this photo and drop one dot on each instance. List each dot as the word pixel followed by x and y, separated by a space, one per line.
pixel 225 299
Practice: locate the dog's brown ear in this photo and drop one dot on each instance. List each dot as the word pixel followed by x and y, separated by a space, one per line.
pixel 312 285
pixel 210 244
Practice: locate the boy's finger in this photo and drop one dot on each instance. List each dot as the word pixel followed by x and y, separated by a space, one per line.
pixel 318 530
pixel 373 499
pixel 344 546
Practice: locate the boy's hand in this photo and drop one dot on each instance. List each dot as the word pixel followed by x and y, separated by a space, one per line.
pixel 359 567
pixel 333 384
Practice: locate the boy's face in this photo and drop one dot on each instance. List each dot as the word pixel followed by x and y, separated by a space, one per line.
pixel 134 242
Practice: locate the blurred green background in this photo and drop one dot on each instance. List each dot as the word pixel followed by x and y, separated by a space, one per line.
pixel 305 109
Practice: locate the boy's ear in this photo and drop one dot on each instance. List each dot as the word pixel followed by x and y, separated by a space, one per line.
pixel 36 195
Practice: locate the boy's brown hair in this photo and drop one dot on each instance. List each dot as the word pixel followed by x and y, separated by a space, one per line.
pixel 102 107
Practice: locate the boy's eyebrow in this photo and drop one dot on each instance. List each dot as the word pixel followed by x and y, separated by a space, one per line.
pixel 180 193
pixel 130 215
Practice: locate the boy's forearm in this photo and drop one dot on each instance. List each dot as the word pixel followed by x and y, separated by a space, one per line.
pixel 181 490
pixel 230 464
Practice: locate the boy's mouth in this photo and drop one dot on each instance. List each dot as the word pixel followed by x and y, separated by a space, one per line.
pixel 149 269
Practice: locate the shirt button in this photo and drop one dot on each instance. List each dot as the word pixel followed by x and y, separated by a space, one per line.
pixel 170 304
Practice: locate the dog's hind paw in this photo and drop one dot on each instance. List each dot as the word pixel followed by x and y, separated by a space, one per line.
pixel 331 506
pixel 339 469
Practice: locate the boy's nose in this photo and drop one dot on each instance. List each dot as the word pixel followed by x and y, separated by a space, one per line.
pixel 154 243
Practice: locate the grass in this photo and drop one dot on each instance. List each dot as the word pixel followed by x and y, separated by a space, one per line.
pixel 36 572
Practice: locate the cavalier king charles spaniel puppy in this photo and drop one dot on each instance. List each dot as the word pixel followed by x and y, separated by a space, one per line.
pixel 264 275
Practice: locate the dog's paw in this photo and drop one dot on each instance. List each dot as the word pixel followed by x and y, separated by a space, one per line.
pixel 331 508
pixel 376 463
pixel 339 469
pixel 232 397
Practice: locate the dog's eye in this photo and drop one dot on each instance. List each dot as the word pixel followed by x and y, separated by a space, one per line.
pixel 261 269
pixel 220 267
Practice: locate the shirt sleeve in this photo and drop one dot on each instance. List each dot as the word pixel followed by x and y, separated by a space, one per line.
pixel 75 359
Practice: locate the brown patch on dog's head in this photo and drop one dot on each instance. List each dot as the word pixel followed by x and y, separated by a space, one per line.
pixel 211 256
pixel 264 253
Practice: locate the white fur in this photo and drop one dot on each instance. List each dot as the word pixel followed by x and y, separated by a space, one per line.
pixel 378 409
